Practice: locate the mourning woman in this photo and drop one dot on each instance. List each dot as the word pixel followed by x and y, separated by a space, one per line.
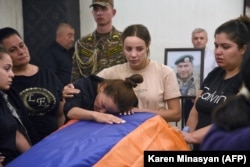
pixel 17 133
pixel 101 99
pixel 231 128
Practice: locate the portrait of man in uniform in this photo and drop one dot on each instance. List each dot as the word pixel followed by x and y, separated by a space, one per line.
pixel 185 76
pixel 188 65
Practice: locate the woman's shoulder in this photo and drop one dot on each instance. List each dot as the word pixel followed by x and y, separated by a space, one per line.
pixel 160 65
pixel 110 72
pixel 47 73
pixel 117 67
pixel 45 70
pixel 88 81
pixel 216 72
pixel 160 71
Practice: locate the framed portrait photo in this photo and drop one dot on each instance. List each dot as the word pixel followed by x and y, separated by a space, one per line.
pixel 188 65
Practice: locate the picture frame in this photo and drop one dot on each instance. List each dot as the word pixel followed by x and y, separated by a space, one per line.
pixel 246 8
pixel 188 65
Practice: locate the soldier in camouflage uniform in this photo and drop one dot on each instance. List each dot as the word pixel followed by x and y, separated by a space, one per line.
pixel 100 49
pixel 187 82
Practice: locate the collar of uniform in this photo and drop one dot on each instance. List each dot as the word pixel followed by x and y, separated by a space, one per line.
pixel 112 33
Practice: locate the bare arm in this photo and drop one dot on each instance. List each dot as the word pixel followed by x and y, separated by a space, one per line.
pixel 22 144
pixel 83 114
pixel 1 160
pixel 172 114
pixel 193 115
pixel 196 137
pixel 61 117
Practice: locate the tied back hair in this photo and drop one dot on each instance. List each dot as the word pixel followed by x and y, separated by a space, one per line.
pixel 236 30
pixel 137 30
pixel 246 20
pixel 133 80
pixel 2 51
pixel 121 91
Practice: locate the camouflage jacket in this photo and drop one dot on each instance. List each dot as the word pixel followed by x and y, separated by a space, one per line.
pixel 188 87
pixel 95 52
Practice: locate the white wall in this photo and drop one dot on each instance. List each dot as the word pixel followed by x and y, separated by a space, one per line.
pixel 170 22
pixel 11 14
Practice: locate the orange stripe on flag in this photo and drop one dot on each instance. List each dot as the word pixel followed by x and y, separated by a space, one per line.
pixel 154 134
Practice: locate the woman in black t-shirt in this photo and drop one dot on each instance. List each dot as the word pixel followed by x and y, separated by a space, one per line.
pixel 231 40
pixel 39 88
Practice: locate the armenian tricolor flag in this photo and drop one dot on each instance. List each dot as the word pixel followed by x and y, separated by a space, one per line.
pixel 87 143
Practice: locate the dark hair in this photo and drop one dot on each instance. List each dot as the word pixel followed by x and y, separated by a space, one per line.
pixel 139 31
pixel 6 32
pixel 122 91
pixel 236 30
pixel 246 20
pixel 235 112
pixel 2 51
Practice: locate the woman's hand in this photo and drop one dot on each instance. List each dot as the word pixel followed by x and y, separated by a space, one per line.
pixel 188 137
pixel 1 160
pixel 126 113
pixel 107 118
pixel 69 91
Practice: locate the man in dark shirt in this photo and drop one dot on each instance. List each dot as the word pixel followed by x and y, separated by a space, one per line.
pixel 58 57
